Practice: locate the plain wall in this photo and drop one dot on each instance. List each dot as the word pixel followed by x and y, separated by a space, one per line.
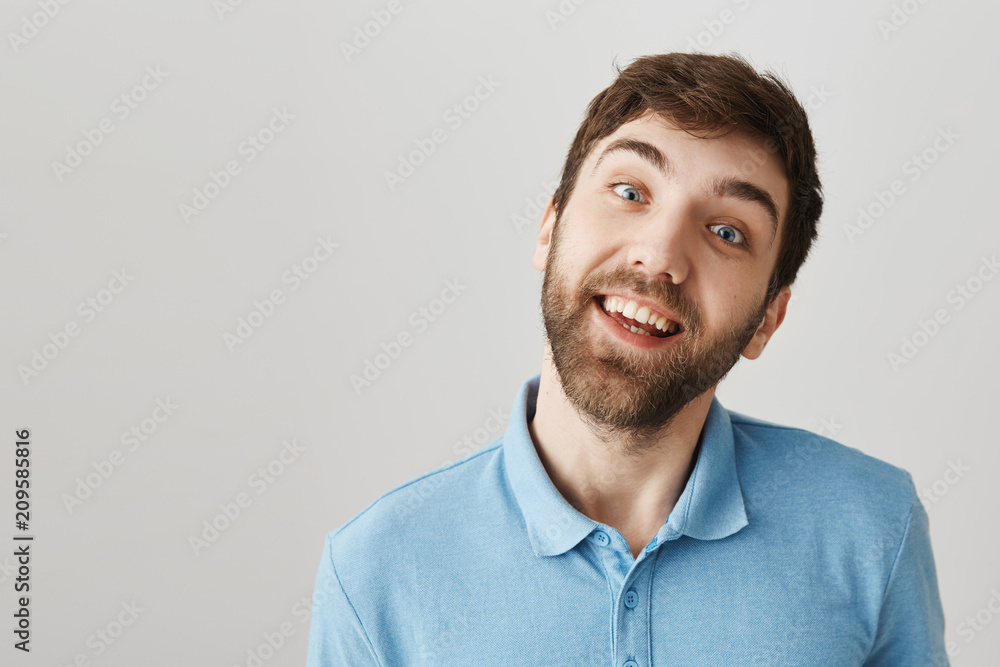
pixel 882 79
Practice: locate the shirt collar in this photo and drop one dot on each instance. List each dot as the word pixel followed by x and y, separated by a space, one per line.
pixel 710 507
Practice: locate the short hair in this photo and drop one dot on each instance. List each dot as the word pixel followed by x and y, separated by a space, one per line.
pixel 708 93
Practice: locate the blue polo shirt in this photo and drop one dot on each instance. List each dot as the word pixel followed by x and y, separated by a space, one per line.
pixel 785 548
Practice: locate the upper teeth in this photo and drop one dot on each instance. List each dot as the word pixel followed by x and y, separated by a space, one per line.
pixel 641 314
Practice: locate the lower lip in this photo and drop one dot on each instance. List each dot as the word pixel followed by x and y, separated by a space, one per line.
pixel 615 328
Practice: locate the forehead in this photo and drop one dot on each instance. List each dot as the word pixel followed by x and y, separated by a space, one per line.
pixel 741 160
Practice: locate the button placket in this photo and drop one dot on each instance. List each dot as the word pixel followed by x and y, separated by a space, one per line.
pixel 632 615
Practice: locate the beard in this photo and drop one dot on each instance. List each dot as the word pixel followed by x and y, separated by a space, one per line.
pixel 633 395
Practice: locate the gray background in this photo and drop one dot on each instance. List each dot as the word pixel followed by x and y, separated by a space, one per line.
pixel 465 214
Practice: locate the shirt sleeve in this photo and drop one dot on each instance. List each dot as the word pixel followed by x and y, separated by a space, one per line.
pixel 336 636
pixel 911 622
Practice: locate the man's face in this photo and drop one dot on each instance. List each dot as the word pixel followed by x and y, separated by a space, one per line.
pixel 668 237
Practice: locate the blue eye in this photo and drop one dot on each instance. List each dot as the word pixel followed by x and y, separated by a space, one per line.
pixel 636 196
pixel 730 234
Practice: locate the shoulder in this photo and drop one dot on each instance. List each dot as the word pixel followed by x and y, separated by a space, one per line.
pixel 418 510
pixel 821 474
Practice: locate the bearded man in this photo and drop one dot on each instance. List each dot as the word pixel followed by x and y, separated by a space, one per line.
pixel 626 517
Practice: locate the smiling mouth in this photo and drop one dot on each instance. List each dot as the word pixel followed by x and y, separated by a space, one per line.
pixel 637 319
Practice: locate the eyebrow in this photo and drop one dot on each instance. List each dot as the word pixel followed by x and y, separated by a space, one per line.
pixel 729 187
pixel 643 149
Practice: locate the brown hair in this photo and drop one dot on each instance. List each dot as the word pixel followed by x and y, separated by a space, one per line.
pixel 703 92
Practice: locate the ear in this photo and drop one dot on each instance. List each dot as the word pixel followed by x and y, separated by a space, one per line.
pixel 544 240
pixel 773 317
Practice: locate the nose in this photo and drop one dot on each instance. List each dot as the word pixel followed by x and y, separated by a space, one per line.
pixel 659 246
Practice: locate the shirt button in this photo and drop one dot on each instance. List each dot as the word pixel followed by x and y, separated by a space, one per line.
pixel 631 663
pixel 631 599
pixel 602 538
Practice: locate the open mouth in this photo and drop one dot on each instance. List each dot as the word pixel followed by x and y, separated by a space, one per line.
pixel 638 319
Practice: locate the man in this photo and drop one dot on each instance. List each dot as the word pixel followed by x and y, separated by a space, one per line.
pixel 626 517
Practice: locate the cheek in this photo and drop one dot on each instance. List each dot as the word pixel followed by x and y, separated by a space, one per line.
pixel 597 219
pixel 724 304
pixel 579 254
pixel 735 280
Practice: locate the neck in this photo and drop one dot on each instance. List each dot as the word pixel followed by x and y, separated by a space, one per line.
pixel 628 485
